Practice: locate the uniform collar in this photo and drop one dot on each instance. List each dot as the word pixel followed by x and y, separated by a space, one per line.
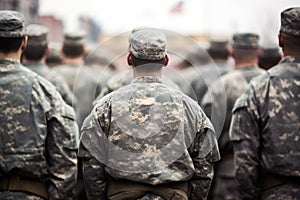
pixel 147 79
pixel 7 64
pixel 291 59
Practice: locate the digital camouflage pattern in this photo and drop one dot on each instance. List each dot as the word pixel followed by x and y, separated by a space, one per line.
pixel 38 132
pixel 57 80
pixel 265 131
pixel 37 34
pixel 84 84
pixel 124 78
pixel 11 24
pixel 148 44
pixel 148 133
pixel 230 87
pixel 290 22
pixel 245 41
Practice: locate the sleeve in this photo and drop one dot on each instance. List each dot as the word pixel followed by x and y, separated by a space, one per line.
pixel 92 151
pixel 95 179
pixel 245 135
pixel 204 152
pixel 61 147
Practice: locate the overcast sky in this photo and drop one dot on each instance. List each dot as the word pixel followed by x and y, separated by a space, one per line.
pixel 213 17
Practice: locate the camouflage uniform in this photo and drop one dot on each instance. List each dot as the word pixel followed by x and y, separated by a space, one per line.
pixel 149 134
pixel 37 36
pixel 265 128
pixel 82 81
pixel 217 104
pixel 38 133
pixel 57 80
pixel 124 78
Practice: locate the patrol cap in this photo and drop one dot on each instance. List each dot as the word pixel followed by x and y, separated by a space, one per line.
pixel 11 24
pixel 245 41
pixel 148 44
pixel 74 38
pixel 218 44
pixel 37 34
pixel 290 21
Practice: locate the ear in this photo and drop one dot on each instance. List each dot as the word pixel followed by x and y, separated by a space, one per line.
pixel 166 60
pixel 280 40
pixel 47 50
pixel 231 52
pixel 24 43
pixel 129 61
pixel 260 52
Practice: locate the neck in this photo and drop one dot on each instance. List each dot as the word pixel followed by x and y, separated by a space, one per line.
pixel 78 60
pixel 14 55
pixel 139 74
pixel 290 52
pixel 240 64
pixel 26 61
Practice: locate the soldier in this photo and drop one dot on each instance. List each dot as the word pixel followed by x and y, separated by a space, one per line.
pixel 80 78
pixel 218 103
pixel 53 58
pixel 270 57
pixel 34 59
pixel 265 126
pixel 219 52
pixel 146 140
pixel 38 132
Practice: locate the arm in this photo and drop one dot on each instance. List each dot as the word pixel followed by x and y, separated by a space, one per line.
pixel 244 133
pixel 61 146
pixel 95 180
pixel 204 152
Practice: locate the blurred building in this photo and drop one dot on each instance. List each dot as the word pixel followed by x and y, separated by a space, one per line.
pixel 55 26
pixel 29 8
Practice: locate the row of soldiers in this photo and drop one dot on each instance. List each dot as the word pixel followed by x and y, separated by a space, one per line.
pixel 143 133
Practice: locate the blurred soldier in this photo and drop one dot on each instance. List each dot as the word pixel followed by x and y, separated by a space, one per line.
pixel 53 58
pixel 270 57
pixel 38 132
pixel 145 140
pixel 80 78
pixel 34 59
pixel 218 103
pixel 265 126
pixel 219 52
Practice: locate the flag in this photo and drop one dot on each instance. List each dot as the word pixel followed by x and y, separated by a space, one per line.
pixel 177 8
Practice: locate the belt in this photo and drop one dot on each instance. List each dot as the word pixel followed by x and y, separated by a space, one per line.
pixel 271 180
pixel 17 183
pixel 124 189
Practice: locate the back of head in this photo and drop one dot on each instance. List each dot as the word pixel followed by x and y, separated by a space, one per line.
pixel 218 49
pixel 53 58
pixel 37 42
pixel 270 57
pixel 73 44
pixel 290 28
pixel 148 48
pixel 12 31
pixel 245 46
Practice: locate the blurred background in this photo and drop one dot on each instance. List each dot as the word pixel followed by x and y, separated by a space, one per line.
pixel 197 19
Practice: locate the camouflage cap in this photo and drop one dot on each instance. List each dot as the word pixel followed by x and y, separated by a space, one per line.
pixel 218 44
pixel 74 38
pixel 290 21
pixel 37 34
pixel 245 41
pixel 148 44
pixel 11 24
